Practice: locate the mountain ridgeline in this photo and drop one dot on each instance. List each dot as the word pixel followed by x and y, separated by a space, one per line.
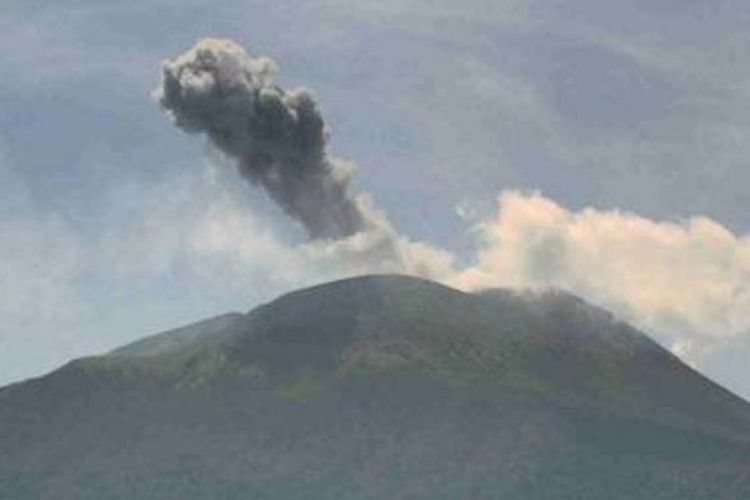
pixel 380 387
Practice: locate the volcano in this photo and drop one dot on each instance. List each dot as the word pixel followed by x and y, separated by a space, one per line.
pixel 380 387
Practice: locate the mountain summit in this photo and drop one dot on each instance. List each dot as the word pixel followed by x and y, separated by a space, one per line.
pixel 380 387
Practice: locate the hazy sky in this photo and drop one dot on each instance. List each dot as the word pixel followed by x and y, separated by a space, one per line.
pixel 629 119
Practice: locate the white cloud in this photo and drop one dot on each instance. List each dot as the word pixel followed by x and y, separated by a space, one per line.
pixel 204 226
pixel 686 282
pixel 41 259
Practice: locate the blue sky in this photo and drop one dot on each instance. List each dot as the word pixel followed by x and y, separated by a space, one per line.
pixel 115 224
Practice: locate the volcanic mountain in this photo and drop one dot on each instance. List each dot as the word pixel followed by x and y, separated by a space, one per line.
pixel 380 387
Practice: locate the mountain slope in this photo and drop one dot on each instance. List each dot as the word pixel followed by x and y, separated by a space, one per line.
pixel 380 387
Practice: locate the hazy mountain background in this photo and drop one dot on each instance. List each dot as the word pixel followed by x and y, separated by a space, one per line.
pixel 380 387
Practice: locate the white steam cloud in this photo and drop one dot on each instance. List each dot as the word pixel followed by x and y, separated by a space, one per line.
pixel 688 282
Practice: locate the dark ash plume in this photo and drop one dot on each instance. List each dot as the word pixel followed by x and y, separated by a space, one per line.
pixel 277 136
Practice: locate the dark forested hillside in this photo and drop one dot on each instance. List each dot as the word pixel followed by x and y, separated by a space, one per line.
pixel 381 387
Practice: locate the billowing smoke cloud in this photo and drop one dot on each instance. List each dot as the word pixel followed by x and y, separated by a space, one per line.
pixel 686 282
pixel 277 136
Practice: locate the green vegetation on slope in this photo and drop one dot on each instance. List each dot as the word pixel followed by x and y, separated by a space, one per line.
pixel 380 387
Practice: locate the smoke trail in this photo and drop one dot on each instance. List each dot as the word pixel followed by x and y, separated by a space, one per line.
pixel 277 136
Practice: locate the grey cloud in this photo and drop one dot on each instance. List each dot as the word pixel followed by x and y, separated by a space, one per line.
pixel 277 136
